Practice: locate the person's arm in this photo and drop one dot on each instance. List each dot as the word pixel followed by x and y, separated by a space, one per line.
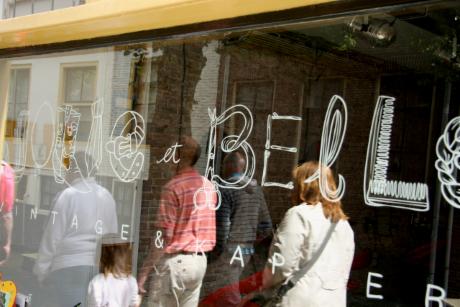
pixel 6 208
pixel 265 226
pixel 94 298
pixel 223 221
pixel 285 251
pixel 52 236
pixel 7 225
pixel 166 223
pixel 134 299
pixel 154 255
pixel 349 255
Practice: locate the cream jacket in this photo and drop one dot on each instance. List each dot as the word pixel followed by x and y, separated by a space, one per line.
pixel 297 239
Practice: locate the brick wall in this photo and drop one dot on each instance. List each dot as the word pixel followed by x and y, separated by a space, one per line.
pixel 169 117
pixel 268 80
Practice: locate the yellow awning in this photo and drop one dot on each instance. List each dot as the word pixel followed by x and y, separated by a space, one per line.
pixel 101 18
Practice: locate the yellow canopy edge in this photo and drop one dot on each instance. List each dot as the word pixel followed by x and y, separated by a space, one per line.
pixel 100 18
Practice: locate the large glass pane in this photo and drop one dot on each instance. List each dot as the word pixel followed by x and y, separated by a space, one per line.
pixel 107 154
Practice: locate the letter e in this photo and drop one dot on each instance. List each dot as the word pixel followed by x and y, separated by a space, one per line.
pixel 375 285
pixel 123 232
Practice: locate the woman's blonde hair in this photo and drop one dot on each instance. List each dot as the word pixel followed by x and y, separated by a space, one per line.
pixel 310 192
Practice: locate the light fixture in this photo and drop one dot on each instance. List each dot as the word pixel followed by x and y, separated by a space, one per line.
pixel 449 57
pixel 378 32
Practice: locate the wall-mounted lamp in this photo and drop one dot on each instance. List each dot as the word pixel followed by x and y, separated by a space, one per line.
pixel 378 32
pixel 449 56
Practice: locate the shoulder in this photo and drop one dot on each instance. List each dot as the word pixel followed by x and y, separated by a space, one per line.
pixel 97 279
pixel 204 180
pixel 305 214
pixel 132 282
pixel 8 171
pixel 65 195
pixel 344 227
pixel 186 179
pixel 305 211
pixel 296 217
pixel 132 279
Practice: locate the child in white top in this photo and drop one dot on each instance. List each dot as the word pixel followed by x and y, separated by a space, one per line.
pixel 114 286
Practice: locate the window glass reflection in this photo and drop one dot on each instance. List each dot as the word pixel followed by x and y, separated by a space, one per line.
pixel 205 171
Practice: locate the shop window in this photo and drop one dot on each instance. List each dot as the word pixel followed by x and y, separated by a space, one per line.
pixel 269 100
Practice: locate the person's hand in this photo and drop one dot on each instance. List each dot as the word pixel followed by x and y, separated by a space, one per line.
pixel 246 299
pixel 6 249
pixel 141 283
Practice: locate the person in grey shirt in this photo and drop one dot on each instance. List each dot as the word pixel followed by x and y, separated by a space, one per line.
pixel 242 219
pixel 67 257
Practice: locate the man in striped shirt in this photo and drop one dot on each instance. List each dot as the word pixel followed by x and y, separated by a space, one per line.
pixel 186 219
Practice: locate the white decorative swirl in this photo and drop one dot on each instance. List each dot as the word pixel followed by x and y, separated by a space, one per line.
pixel 393 188
pixel 448 162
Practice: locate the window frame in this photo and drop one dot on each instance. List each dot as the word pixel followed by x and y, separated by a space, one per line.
pixel 63 82
pixel 11 68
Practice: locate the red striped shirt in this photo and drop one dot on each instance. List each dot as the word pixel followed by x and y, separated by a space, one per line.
pixel 187 213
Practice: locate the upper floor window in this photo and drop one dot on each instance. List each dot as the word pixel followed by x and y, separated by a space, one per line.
pixel 18 96
pixel 16 8
pixel 79 92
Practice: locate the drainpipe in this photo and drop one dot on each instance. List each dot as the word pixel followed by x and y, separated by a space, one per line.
pixel 437 197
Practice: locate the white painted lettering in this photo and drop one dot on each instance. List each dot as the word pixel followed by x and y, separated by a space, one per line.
pixel 277 261
pixel 124 232
pixel 269 147
pixel 237 255
pixel 373 284
pixel 437 299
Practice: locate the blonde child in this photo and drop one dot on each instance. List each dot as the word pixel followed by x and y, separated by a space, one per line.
pixel 114 286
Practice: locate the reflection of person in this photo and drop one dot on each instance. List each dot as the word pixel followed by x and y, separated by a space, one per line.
pixel 188 230
pixel 6 207
pixel 67 254
pixel 242 219
pixel 114 286
pixel 301 234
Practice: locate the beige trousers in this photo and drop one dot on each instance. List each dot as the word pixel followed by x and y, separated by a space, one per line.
pixel 177 281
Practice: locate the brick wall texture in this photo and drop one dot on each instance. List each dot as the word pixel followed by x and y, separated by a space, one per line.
pixel 266 77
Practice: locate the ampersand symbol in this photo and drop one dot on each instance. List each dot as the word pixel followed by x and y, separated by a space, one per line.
pixel 159 242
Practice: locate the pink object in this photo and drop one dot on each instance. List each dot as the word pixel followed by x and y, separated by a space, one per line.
pixel 6 188
pixel 187 215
